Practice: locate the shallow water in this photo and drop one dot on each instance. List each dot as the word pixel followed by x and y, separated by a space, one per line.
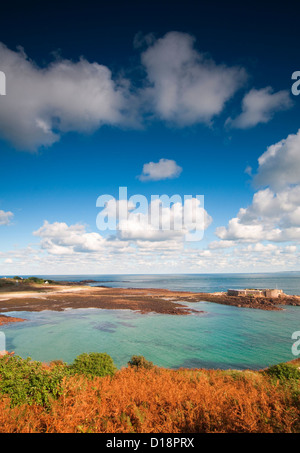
pixel 222 337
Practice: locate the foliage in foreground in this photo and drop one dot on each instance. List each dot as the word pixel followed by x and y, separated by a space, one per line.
pixel 31 382
pixel 26 381
pixel 94 364
pixel 139 399
pixel 285 372
pixel 139 361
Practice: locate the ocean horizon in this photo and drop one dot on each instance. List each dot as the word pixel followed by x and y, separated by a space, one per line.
pixel 288 281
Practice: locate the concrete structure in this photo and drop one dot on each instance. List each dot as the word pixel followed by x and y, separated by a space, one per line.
pixel 274 293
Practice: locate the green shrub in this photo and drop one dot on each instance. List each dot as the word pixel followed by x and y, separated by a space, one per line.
pixel 284 372
pixel 94 364
pixel 26 381
pixel 139 361
pixel 37 280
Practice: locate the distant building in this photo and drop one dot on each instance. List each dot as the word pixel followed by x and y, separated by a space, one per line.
pixel 255 292
pixel 273 292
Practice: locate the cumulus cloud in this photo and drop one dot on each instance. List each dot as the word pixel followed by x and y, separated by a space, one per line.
pixel 165 223
pixel 274 214
pixel 271 216
pixel 187 87
pixel 152 256
pixel 215 245
pixel 5 217
pixel 279 166
pixel 181 86
pixel 59 239
pixel 267 206
pixel 41 103
pixel 259 106
pixel 159 230
pixel 164 169
pixel 237 231
pixel 163 219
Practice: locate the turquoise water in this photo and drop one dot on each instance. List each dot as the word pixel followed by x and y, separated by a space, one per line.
pixel 221 337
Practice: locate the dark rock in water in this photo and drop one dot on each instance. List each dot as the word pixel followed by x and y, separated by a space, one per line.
pixel 87 281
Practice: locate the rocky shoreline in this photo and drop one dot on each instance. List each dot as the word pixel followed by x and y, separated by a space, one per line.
pixel 262 303
pixel 61 297
pixel 7 319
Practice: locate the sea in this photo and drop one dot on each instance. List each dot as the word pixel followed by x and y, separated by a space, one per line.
pixel 215 336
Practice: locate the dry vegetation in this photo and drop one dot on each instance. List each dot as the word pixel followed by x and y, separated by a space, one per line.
pixel 157 400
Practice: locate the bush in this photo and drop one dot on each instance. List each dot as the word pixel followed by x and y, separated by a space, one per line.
pixel 94 364
pixel 26 381
pixel 139 361
pixel 284 372
pixel 31 382
pixel 37 280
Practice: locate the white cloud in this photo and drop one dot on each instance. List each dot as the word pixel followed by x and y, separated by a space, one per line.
pixel 138 233
pixel 221 244
pixel 41 103
pixel 160 220
pixel 186 87
pixel 271 216
pixel 279 166
pixel 237 231
pixel 262 248
pixel 164 169
pixel 259 106
pixel 5 217
pixel 248 170
pixel 182 86
pixel 274 214
pixel 150 256
pixel 205 253
pixel 59 239
pixel 270 207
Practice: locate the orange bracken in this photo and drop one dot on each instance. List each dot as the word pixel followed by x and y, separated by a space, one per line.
pixel 161 401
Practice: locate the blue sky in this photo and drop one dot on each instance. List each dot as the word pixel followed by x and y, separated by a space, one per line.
pixel 98 92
